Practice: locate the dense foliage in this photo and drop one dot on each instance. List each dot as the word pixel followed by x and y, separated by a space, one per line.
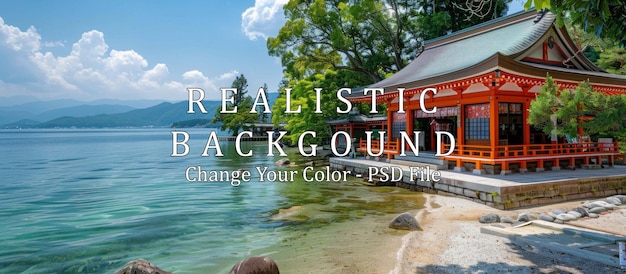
pixel 598 114
pixel 243 118
pixel 604 18
pixel 331 44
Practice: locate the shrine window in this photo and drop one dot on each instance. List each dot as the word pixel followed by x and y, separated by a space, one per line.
pixel 398 124
pixel 510 124
pixel 477 124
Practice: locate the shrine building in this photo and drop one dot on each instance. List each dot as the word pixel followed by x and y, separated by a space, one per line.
pixel 485 77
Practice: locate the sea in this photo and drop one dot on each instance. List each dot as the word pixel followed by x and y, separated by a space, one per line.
pixel 91 200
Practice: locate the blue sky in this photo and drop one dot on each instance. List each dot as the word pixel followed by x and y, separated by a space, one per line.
pixel 88 50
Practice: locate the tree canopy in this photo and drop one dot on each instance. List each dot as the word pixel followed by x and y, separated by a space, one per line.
pixel 605 18
pixel 331 44
pixel 598 114
pixel 234 122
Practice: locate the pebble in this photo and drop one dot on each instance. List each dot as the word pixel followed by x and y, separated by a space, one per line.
pixel 592 204
pixel 613 201
pixel 582 211
pixel 518 223
pixel 557 221
pixel 523 217
pixel 593 215
pixel 546 218
pixel 622 198
pixel 489 218
pixel 599 204
pixel 597 209
pixel 556 212
pixel 575 214
pixel 506 220
pixel 565 217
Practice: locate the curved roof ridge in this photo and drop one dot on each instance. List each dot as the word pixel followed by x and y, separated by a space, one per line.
pixel 524 42
pixel 507 36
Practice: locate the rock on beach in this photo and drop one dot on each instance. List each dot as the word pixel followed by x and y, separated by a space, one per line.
pixel 613 201
pixel 565 217
pixel 523 217
pixel 405 221
pixel 283 162
pixel 255 265
pixel 546 218
pixel 141 266
pixel 597 209
pixel 582 211
pixel 488 218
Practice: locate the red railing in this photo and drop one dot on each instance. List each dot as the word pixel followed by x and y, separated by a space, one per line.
pixel 534 150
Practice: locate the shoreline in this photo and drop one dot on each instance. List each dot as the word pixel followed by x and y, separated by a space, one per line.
pixel 452 242
pixel 361 243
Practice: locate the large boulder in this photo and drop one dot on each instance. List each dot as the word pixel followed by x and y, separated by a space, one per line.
pixel 405 221
pixel 283 162
pixel 141 266
pixel 255 265
pixel 488 218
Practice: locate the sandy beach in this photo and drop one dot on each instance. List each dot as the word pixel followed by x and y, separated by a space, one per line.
pixel 451 242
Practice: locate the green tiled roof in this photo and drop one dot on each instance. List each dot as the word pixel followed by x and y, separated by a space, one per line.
pixel 508 36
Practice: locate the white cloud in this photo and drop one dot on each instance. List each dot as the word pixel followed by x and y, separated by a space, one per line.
pixel 18 40
pixel 92 70
pixel 197 79
pixel 49 44
pixel 264 17
pixel 228 75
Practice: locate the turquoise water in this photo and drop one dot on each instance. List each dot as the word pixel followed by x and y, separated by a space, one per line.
pixel 91 200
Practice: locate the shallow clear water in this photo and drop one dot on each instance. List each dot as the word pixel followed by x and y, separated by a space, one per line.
pixel 92 200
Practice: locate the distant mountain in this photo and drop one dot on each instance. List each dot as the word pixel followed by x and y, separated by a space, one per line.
pixel 82 110
pixel 35 106
pixel 161 115
pixel 7 116
pixel 104 115
pixel 24 123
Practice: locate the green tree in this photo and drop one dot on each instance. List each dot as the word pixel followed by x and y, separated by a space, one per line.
pixel 598 114
pixel 263 116
pixel 604 52
pixel 613 60
pixel 241 84
pixel 242 119
pixel 440 17
pixel 370 37
pixel 331 44
pixel 605 18
pixel 542 111
pixel 303 94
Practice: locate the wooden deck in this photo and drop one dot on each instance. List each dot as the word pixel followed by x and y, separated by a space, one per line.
pixel 506 159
